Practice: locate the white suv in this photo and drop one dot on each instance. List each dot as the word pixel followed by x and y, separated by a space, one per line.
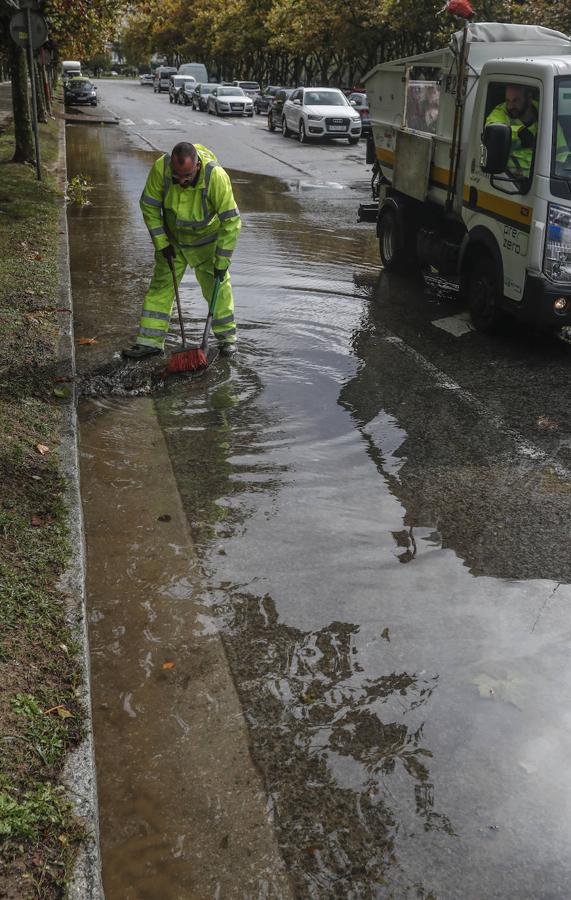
pixel 320 112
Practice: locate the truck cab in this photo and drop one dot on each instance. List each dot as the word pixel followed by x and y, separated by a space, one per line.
pixel 472 148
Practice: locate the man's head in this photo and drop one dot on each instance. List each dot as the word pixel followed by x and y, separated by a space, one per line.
pixel 185 164
pixel 518 100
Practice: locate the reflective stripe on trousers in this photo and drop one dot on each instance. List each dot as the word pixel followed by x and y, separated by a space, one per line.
pixel 159 299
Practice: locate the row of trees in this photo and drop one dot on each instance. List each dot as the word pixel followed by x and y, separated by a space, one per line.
pixel 76 29
pixel 287 41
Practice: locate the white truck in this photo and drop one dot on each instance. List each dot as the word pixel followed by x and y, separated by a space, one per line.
pixel 70 68
pixel 454 194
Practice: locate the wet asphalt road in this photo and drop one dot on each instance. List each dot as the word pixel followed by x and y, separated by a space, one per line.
pixel 379 500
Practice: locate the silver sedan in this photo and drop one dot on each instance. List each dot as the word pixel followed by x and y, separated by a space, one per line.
pixel 226 100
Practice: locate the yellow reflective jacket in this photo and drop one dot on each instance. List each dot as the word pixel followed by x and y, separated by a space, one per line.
pixel 196 216
pixel 520 156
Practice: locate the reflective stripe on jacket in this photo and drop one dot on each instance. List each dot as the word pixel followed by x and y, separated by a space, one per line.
pixel 205 213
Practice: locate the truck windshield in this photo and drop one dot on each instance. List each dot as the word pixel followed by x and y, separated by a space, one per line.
pixel 561 161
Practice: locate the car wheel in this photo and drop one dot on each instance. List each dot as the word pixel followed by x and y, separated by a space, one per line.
pixel 302 135
pixel 170 98
pixel 271 126
pixel 353 140
pixel 217 110
pixel 285 130
pixel 484 295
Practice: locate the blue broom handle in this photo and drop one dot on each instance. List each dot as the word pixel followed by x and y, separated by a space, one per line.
pixel 211 309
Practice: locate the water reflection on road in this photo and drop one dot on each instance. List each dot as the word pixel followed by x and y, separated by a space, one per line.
pixel 365 549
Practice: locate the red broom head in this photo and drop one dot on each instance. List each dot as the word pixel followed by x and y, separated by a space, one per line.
pixel 460 8
pixel 187 361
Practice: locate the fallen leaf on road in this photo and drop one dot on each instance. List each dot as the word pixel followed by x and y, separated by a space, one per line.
pixel 164 518
pixel 547 424
pixel 41 448
pixel 86 341
pixel 168 665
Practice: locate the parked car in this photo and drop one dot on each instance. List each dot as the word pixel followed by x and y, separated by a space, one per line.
pixel 320 112
pixel 197 70
pixel 80 91
pixel 265 98
pixel 229 101
pixel 198 96
pixel 176 87
pixel 361 104
pixel 275 112
pixel 250 88
pixel 146 78
pixel 162 78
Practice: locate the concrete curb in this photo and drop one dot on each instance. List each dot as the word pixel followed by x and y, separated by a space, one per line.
pixel 79 774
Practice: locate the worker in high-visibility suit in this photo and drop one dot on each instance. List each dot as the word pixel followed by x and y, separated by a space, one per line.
pixel 189 208
pixel 521 112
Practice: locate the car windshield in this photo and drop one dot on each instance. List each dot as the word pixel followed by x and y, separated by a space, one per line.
pixel 250 85
pixel 561 164
pixel 230 92
pixel 77 85
pixel 166 73
pixel 324 98
pixel 207 88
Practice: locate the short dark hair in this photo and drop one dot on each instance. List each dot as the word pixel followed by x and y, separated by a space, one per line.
pixel 184 150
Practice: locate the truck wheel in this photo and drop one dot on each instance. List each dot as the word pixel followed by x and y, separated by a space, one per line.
pixel 484 295
pixel 392 254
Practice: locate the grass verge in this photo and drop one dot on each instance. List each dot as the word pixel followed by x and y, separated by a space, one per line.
pixel 40 713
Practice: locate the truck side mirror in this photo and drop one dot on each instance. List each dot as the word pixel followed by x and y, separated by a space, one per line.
pixel 496 146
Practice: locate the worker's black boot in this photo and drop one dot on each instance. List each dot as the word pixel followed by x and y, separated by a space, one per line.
pixel 227 349
pixel 139 351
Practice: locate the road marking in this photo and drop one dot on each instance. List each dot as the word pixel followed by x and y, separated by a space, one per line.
pixel 524 447
pixel 126 122
pixel 150 122
pixel 458 325
pixel 174 121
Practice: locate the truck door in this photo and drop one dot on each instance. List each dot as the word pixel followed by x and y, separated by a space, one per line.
pixel 503 203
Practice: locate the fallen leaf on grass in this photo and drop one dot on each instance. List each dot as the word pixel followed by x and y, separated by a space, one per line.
pixel 62 712
pixel 61 392
pixel 37 521
pixel 42 449
pixel 83 342
pixel 168 665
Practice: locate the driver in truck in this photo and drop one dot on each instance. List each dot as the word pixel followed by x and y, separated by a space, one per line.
pixel 521 112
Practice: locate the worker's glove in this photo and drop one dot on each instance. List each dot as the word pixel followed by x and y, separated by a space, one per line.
pixel 169 253
pixel 220 274
pixel 527 138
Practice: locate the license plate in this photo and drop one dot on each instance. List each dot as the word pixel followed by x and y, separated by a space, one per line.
pixel 337 128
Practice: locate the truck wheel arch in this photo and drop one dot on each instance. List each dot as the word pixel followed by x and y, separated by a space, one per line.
pixel 480 242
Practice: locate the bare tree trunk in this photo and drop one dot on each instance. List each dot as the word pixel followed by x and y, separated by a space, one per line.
pixel 24 150
pixel 40 94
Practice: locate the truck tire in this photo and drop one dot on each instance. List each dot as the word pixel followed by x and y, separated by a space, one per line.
pixel 484 295
pixel 393 256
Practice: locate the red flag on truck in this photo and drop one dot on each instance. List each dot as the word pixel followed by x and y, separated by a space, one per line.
pixel 460 8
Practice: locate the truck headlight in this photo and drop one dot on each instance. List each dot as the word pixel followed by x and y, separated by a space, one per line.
pixel 557 257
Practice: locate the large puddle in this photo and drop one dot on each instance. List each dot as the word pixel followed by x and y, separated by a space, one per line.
pixel 328 600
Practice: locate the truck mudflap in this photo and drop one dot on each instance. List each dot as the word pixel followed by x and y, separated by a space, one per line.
pixel 544 303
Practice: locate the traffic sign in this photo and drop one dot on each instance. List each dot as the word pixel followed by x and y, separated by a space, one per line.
pixel 19 29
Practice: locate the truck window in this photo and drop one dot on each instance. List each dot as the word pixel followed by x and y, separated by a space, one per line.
pixel 561 163
pixel 422 99
pixel 516 105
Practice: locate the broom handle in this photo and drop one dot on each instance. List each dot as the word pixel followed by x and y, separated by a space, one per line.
pixel 176 293
pixel 211 308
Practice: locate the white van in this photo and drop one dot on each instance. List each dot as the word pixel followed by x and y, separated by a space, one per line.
pixel 197 70
pixel 70 68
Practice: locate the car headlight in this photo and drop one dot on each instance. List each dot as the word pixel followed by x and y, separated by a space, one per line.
pixel 313 118
pixel 557 257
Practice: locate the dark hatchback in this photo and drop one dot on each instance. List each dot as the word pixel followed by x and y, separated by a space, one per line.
pixel 265 99
pixel 275 111
pixel 198 98
pixel 80 90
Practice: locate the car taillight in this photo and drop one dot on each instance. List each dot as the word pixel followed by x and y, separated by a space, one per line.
pixel 363 112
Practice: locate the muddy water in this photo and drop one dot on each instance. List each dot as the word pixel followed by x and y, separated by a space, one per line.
pixel 368 629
